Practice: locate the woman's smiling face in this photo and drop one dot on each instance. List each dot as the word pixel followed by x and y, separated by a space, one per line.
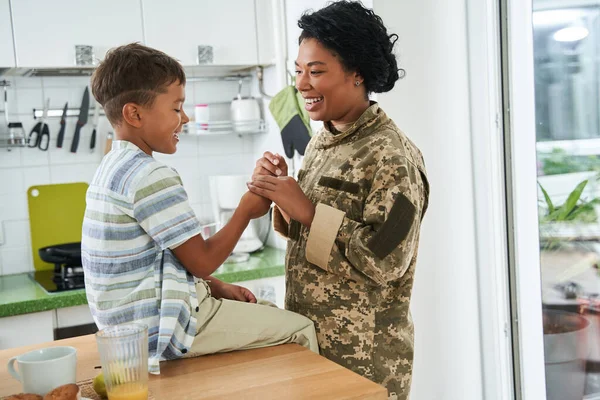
pixel 330 92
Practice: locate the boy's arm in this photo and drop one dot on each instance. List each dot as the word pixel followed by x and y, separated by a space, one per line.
pixel 202 257
pixel 161 207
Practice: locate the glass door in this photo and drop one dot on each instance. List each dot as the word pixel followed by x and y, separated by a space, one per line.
pixel 551 80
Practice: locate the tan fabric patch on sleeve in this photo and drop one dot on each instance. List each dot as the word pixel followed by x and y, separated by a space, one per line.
pixel 322 235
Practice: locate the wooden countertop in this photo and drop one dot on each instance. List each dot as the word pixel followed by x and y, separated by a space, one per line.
pixel 281 372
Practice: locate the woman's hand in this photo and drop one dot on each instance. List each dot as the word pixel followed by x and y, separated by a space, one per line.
pixel 287 194
pixel 270 164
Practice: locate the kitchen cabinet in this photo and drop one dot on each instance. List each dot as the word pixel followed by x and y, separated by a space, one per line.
pixel 7 50
pixel 26 329
pixel 265 32
pixel 46 32
pixel 73 316
pixel 227 27
pixel 45 326
pixel 74 321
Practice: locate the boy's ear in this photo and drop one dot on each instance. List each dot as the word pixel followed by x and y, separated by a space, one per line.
pixel 131 115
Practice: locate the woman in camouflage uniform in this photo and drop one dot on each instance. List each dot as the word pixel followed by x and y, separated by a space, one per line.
pixel 353 217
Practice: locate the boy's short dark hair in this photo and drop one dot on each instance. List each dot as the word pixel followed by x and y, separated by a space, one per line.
pixel 133 73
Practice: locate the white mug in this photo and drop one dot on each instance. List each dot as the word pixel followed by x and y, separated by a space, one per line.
pixel 43 370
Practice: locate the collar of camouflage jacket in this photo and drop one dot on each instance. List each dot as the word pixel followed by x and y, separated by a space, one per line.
pixel 369 121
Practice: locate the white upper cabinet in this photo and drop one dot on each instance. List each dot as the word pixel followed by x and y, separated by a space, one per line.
pixel 265 32
pixel 225 28
pixel 47 32
pixel 7 51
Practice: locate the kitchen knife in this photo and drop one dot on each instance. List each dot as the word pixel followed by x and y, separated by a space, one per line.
pixel 95 125
pixel 83 117
pixel 63 122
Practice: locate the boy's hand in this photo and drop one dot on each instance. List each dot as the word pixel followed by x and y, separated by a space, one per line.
pixel 232 292
pixel 270 164
pixel 254 206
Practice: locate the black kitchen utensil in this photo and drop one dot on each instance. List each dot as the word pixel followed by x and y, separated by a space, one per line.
pixel 95 125
pixel 40 134
pixel 67 253
pixel 83 117
pixel 63 122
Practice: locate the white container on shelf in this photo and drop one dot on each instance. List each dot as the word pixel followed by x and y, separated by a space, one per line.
pixel 245 115
pixel 201 115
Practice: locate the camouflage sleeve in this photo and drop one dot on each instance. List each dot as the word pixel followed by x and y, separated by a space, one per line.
pixel 379 248
pixel 280 225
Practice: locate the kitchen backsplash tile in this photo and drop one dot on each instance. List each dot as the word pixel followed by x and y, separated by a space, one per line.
pixel 13 207
pixel 34 157
pixel 69 174
pixel 197 157
pixel 59 95
pixel 16 233
pixel 36 176
pixel 63 156
pixel 16 260
pixel 213 145
pixel 28 99
pixel 64 82
pixel 219 165
pixel 28 82
pixel 204 212
pixel 10 159
pixel 12 181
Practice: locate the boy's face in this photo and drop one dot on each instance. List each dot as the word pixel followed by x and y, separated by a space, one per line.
pixel 165 119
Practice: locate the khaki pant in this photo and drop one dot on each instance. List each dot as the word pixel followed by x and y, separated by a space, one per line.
pixel 227 325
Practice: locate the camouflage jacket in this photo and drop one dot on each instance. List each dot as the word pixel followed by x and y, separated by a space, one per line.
pixel 352 272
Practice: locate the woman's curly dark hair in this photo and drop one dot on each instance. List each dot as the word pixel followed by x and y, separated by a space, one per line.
pixel 359 38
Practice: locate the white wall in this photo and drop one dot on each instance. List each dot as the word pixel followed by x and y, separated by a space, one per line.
pixel 197 157
pixel 432 106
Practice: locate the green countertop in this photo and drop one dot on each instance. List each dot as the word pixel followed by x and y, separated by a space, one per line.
pixel 20 294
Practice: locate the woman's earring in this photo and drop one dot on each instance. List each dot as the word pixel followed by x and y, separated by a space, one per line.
pixel 357 83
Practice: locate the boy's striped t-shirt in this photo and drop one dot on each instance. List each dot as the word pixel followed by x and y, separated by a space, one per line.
pixel 137 211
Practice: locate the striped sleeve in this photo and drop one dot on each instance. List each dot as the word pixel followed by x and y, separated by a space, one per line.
pixel 162 209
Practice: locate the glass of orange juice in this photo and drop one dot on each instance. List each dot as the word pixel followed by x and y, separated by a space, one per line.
pixel 124 357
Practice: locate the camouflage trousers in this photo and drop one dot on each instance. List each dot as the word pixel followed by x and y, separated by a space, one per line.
pixel 370 352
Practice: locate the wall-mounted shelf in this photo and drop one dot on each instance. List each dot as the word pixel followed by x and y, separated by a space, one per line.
pixel 74 112
pixel 57 112
pixel 241 128
pixel 226 78
pixel 9 144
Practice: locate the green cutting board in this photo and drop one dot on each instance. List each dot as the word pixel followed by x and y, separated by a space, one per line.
pixel 55 216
